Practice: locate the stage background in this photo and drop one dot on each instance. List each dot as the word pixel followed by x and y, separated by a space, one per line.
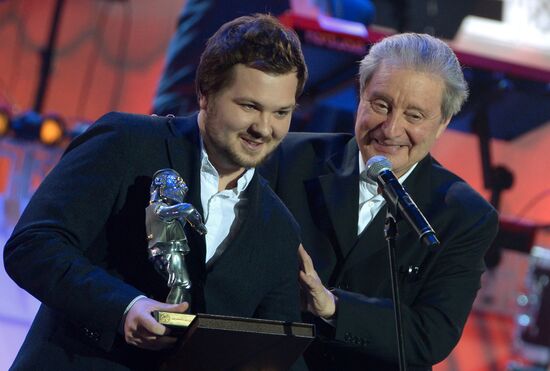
pixel 109 57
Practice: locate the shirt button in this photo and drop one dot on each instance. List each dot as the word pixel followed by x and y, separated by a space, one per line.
pixel 370 203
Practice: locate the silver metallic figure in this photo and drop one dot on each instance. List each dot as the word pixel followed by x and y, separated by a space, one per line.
pixel 165 218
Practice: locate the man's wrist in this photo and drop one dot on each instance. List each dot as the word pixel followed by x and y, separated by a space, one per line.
pixel 331 320
pixel 128 307
pixel 331 316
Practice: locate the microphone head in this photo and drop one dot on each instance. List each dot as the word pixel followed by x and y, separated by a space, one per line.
pixel 377 164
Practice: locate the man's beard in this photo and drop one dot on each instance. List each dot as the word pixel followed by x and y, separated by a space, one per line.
pixel 230 154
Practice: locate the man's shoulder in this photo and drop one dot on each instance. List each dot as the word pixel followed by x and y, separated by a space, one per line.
pixel 140 129
pixel 129 118
pixel 458 211
pixel 456 191
pixel 137 123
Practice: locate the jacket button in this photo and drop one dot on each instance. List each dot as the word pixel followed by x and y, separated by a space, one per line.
pixel 93 335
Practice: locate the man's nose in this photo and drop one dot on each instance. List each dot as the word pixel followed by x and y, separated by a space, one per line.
pixel 392 126
pixel 262 125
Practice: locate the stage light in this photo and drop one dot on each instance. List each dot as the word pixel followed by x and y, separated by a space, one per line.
pixel 49 129
pixel 52 130
pixel 5 121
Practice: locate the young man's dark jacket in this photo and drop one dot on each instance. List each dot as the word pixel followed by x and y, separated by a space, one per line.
pixel 80 247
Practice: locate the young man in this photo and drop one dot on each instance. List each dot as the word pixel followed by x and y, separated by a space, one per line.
pixel 410 87
pixel 81 244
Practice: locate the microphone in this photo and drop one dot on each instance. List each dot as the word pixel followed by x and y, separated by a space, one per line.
pixel 379 170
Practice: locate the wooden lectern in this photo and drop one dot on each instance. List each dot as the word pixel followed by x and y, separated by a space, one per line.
pixel 213 342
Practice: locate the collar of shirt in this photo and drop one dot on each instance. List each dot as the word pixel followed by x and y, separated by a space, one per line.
pixel 212 177
pixel 370 201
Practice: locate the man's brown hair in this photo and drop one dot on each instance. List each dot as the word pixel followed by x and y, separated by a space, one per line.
pixel 258 41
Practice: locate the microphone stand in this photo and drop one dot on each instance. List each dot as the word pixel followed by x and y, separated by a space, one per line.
pixel 47 54
pixel 390 231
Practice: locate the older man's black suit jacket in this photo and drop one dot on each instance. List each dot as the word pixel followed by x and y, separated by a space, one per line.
pixel 317 177
pixel 80 247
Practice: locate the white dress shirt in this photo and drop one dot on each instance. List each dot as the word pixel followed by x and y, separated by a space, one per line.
pixel 220 209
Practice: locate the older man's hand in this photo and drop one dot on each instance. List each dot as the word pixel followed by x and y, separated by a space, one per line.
pixel 316 298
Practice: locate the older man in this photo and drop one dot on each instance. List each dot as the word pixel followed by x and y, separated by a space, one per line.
pixel 410 87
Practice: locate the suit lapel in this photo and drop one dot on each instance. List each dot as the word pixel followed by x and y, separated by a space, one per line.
pixel 419 187
pixel 184 156
pixel 333 199
pixel 245 223
pixel 372 239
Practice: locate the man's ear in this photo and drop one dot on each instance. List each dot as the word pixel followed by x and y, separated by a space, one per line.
pixel 203 102
pixel 442 128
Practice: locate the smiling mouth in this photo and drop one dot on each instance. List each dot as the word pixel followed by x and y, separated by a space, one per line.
pixel 387 147
pixel 251 144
